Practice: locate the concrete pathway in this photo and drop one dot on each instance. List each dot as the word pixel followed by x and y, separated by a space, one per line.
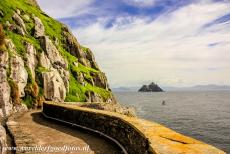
pixel 48 133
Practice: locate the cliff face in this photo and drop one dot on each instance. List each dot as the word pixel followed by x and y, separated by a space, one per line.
pixel 40 59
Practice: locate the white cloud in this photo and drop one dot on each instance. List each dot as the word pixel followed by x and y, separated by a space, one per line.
pixel 142 3
pixel 63 8
pixel 172 50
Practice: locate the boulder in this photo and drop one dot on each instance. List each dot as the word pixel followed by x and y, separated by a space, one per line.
pixel 52 52
pixel 31 60
pixel 54 87
pixel 39 27
pixel 18 73
pixel 18 12
pixel 19 22
pixel 26 17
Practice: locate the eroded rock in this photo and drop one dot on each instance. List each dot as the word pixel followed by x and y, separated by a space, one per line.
pixel 18 73
pixel 100 80
pixel 93 97
pixel 64 75
pixel 10 45
pixel 31 60
pixel 52 52
pixel 19 30
pixel 73 47
pixel 19 21
pixel 44 61
pixel 39 27
pixel 91 58
pixel 80 77
pixel 5 104
pixel 54 87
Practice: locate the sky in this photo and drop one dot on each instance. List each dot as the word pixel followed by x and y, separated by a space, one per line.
pixel 171 42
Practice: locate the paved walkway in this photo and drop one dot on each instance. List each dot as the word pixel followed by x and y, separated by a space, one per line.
pixel 53 134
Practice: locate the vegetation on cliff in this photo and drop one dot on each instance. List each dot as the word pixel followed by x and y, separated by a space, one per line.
pixel 44 59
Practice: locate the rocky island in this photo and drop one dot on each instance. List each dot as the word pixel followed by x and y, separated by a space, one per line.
pixel 152 87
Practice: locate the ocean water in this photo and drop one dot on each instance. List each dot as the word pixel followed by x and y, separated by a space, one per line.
pixel 201 115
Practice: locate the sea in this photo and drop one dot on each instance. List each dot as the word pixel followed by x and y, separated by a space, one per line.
pixel 203 115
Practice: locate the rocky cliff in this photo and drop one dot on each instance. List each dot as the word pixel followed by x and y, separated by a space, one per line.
pixel 40 59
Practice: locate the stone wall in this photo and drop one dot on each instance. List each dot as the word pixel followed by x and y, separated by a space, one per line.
pixel 136 135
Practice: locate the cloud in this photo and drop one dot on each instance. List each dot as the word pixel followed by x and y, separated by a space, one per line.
pixel 62 8
pixel 142 3
pixel 169 43
pixel 169 49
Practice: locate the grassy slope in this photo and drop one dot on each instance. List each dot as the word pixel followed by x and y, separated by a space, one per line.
pixel 53 29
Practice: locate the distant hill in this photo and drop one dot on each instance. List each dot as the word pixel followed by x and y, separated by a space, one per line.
pixel 210 87
pixel 125 89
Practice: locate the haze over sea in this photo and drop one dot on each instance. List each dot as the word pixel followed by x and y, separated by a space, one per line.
pixel 203 115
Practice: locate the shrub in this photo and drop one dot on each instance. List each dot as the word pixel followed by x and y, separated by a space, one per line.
pixel 15 94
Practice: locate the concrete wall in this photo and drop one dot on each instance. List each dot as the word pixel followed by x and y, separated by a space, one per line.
pixel 138 136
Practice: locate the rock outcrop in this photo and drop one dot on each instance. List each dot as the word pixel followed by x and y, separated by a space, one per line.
pixel 5 103
pixel 39 27
pixel 31 59
pixel 150 88
pixel 19 21
pixel 57 80
pixel 18 73
pixel 52 52
pixel 54 87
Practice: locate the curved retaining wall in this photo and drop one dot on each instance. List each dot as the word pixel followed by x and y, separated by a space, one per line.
pixel 137 136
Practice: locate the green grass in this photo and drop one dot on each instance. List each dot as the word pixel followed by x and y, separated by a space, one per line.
pixel 30 79
pixel 28 101
pixel 77 91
